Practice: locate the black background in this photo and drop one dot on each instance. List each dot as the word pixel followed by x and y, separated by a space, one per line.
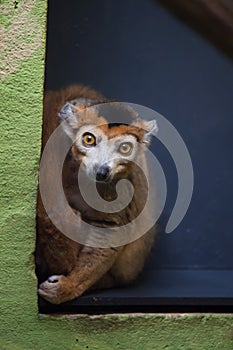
pixel 136 51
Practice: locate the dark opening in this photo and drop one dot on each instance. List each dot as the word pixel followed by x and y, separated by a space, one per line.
pixel 136 51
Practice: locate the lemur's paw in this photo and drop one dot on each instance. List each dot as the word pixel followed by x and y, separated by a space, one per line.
pixel 56 289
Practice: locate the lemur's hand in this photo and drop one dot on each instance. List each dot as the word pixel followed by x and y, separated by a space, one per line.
pixel 57 289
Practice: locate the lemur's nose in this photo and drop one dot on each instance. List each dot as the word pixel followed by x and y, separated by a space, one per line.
pixel 103 173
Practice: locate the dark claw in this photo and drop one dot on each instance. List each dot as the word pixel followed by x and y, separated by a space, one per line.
pixel 52 280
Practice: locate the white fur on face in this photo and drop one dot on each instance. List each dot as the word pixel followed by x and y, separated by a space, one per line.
pixel 105 152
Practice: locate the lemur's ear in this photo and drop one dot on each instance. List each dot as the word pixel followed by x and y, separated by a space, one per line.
pixel 151 128
pixel 70 119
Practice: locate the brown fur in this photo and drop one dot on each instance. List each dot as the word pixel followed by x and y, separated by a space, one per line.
pixel 81 267
pixel 123 129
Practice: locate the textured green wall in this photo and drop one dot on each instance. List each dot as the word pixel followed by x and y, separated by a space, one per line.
pixel 22 33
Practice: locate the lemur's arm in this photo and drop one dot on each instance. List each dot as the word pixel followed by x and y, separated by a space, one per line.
pixel 91 265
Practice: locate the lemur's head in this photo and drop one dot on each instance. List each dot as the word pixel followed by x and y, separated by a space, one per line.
pixel 105 149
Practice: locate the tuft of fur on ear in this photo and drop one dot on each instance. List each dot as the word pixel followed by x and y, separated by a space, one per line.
pixel 69 118
pixel 151 128
pixel 67 113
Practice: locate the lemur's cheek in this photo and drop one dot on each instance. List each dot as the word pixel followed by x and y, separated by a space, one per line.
pixel 77 154
pixel 90 171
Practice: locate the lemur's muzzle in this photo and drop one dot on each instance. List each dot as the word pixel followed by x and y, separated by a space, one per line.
pixel 103 173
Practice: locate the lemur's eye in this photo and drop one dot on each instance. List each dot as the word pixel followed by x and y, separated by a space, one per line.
pixel 125 148
pixel 88 139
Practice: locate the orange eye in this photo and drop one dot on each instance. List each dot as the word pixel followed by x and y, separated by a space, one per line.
pixel 125 148
pixel 88 139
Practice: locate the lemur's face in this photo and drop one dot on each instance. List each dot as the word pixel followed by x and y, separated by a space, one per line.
pixel 104 149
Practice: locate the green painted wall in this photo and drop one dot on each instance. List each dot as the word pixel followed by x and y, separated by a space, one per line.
pixel 22 33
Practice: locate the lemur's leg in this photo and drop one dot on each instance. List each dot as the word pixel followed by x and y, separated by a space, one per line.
pixel 129 263
pixel 91 265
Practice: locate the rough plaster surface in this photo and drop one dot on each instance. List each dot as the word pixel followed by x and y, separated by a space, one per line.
pixel 21 67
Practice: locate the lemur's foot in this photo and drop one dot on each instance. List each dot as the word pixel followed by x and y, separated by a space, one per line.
pixel 56 289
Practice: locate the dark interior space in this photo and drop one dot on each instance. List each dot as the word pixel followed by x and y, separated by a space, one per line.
pixel 137 51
